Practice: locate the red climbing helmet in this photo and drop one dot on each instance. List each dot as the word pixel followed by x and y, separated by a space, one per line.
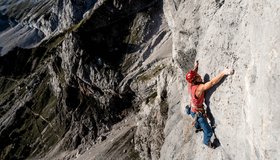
pixel 190 76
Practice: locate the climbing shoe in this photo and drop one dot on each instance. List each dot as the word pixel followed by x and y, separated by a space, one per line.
pixel 213 126
pixel 211 145
pixel 198 130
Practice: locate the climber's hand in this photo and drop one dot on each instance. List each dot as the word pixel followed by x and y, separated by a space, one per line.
pixel 195 68
pixel 196 63
pixel 228 71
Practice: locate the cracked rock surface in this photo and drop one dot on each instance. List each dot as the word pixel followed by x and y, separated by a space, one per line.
pixel 106 79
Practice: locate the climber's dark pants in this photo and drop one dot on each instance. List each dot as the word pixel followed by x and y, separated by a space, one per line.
pixel 202 123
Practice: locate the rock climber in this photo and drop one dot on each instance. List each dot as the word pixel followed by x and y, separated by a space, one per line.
pixel 197 89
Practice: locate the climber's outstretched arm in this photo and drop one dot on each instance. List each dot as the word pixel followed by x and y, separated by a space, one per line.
pixel 203 87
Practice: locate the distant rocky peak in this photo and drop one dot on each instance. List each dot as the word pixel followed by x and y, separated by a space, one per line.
pixel 27 23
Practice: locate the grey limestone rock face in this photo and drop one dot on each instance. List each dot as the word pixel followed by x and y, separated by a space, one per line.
pixel 106 79
pixel 241 35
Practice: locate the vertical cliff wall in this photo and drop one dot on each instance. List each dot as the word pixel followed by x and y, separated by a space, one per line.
pixel 106 79
pixel 238 34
